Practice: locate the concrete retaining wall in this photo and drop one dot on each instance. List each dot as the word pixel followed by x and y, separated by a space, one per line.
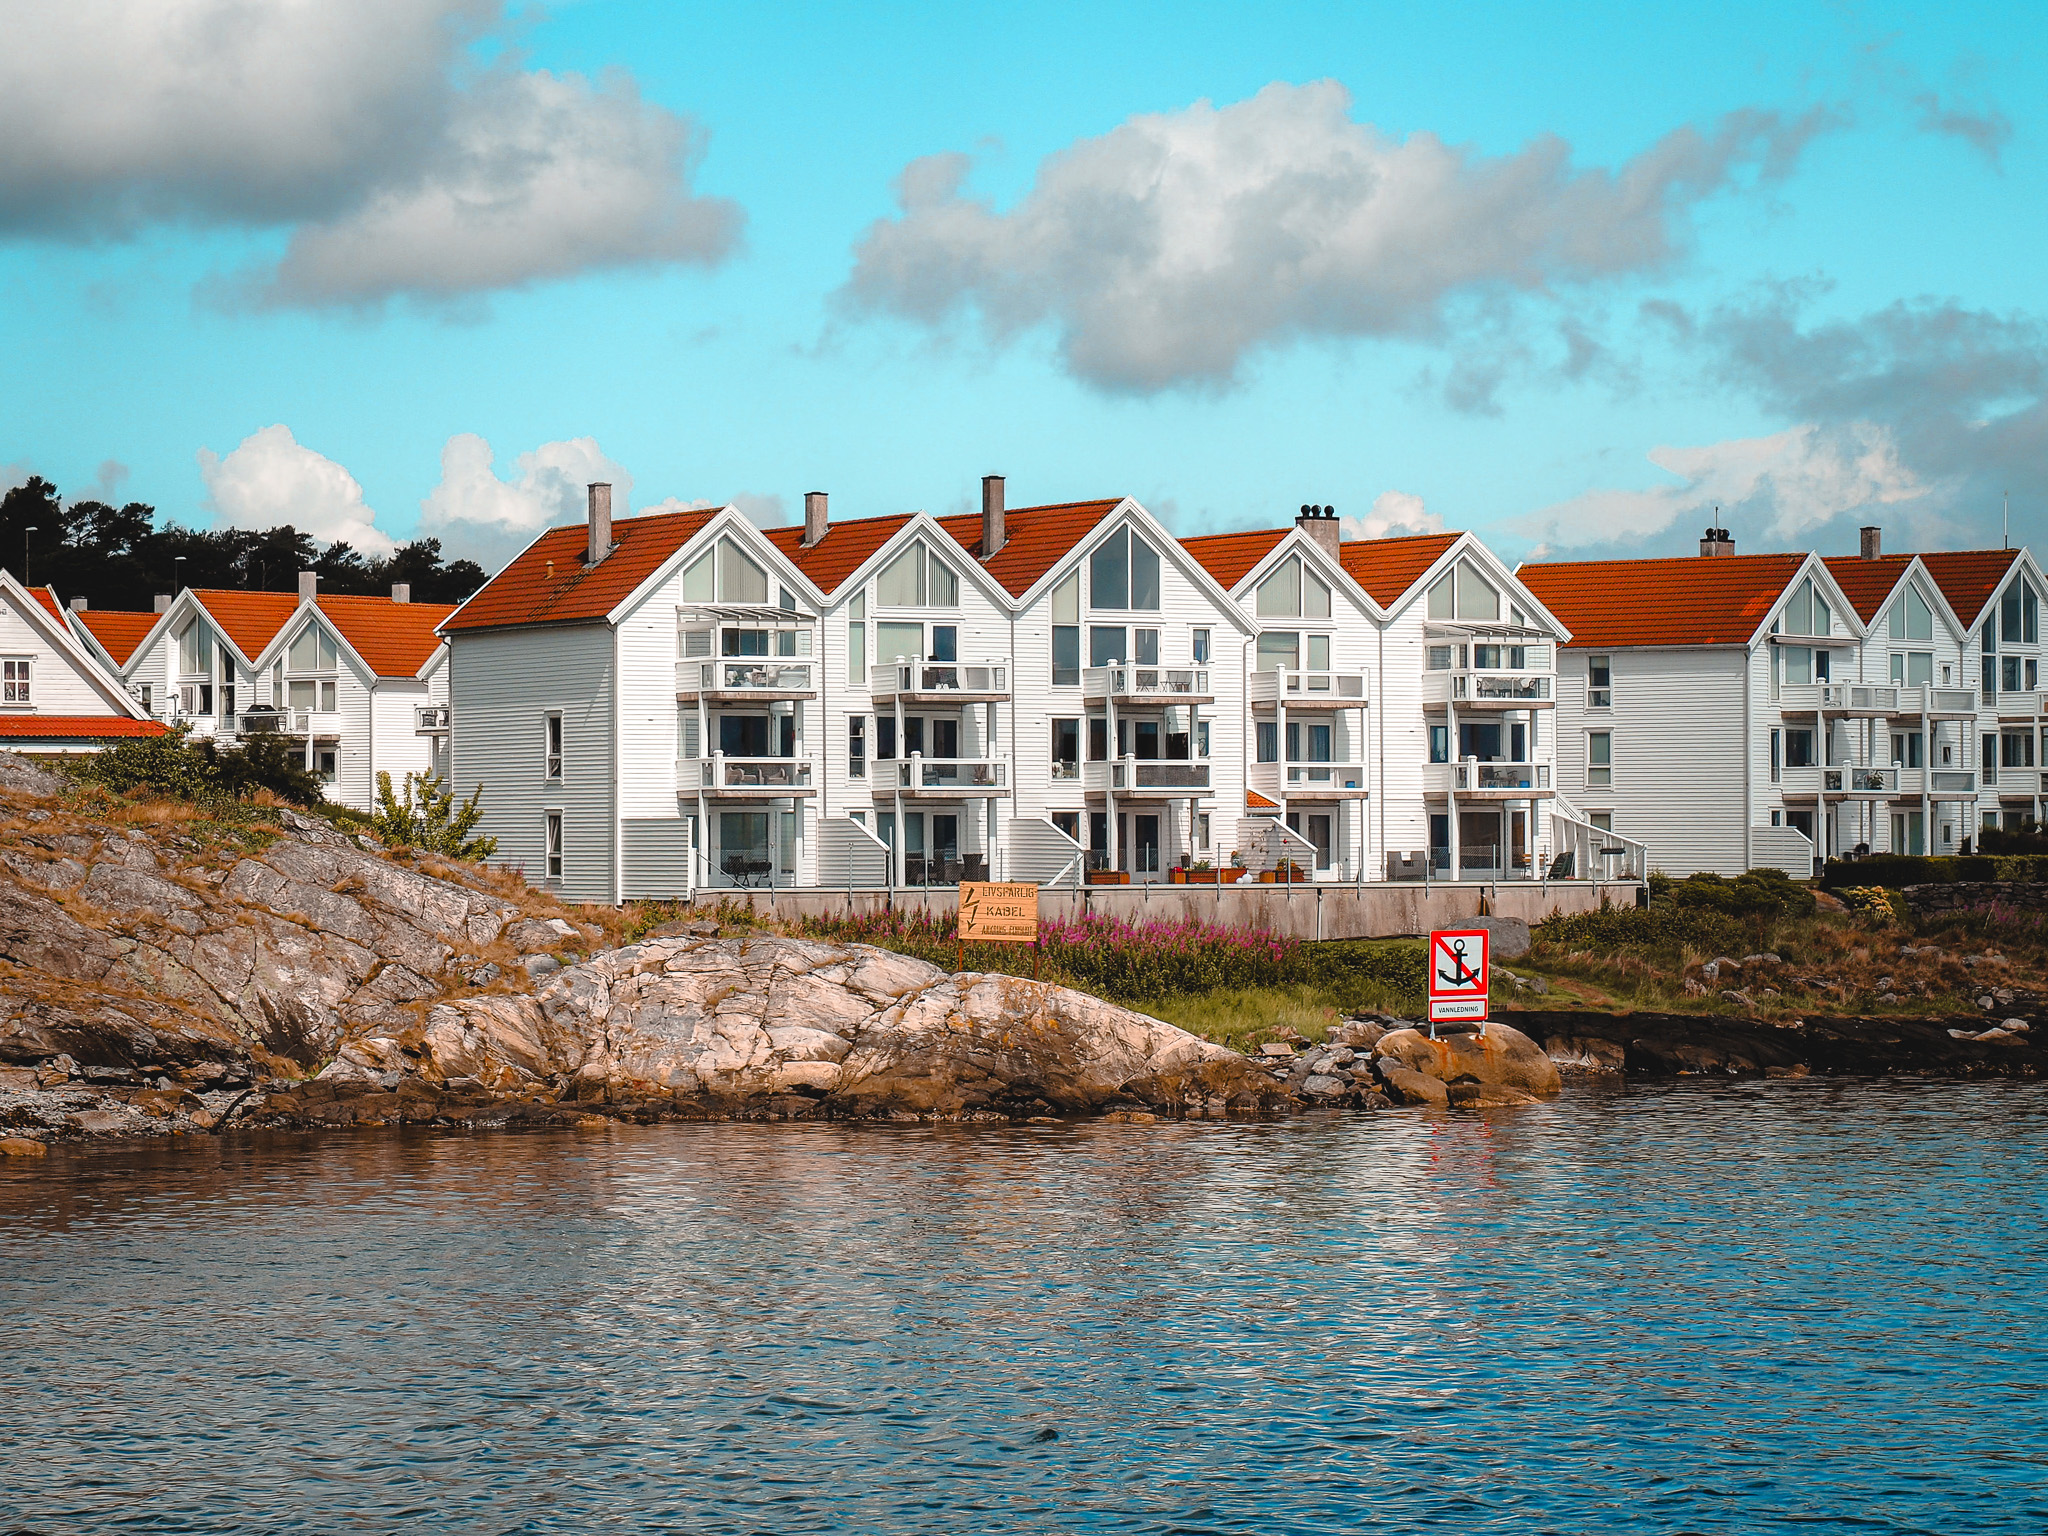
pixel 1304 911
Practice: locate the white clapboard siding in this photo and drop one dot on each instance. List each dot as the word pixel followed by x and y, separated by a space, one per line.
pixel 1041 852
pixel 658 858
pixel 850 855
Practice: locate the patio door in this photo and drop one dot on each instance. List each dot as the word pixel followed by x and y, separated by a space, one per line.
pixel 744 854
pixel 1318 830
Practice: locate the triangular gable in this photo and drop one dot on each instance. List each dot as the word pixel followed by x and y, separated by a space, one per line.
pixel 729 522
pixel 1253 557
pixel 1864 583
pixel 1467 546
pixel 546 583
pixel 1973 580
pixel 896 531
pixel 40 618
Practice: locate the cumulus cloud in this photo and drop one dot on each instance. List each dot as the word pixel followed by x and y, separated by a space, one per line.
pixel 400 165
pixel 484 518
pixel 1166 250
pixel 271 478
pixel 1393 513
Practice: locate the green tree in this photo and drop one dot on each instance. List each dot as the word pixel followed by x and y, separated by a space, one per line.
pixel 265 760
pixel 168 764
pixel 428 818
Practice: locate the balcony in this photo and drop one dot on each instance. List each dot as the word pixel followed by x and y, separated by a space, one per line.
pixel 1473 688
pixel 430 720
pixel 2016 783
pixel 2019 706
pixel 955 778
pixel 735 678
pixel 941 682
pixel 1310 781
pixel 1474 780
pixel 746 777
pixel 1852 780
pixel 1308 690
pixel 1871 700
pixel 1140 685
pixel 1165 778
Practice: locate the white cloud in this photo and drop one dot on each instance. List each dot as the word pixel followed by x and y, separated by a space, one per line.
pixel 481 517
pixel 1167 249
pixel 1393 512
pixel 1778 489
pixel 367 127
pixel 272 479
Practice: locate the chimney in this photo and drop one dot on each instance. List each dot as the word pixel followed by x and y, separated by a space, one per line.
pixel 401 591
pixel 993 536
pixel 1715 541
pixel 816 522
pixel 163 602
pixel 600 524
pixel 79 605
pixel 1320 524
pixel 1873 542
pixel 309 586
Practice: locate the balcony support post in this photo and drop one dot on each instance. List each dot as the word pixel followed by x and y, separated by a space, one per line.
pixel 1926 771
pixel 1451 783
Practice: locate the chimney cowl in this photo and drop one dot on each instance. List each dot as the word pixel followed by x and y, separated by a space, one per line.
pixel 401 591
pixel 817 518
pixel 600 524
pixel 1320 523
pixel 1871 542
pixel 993 534
pixel 309 586
pixel 1716 541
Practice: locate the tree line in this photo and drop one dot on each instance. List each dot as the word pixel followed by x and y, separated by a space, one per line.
pixel 117 557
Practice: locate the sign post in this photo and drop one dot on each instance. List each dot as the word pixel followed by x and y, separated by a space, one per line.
pixel 993 912
pixel 1457 976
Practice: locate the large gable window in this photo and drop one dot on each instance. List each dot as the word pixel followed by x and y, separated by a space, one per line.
pixel 2019 614
pixel 917 578
pixel 195 650
pixel 1807 612
pixel 725 574
pixel 1462 593
pixel 1123 572
pixel 1293 591
pixel 1912 617
pixel 312 660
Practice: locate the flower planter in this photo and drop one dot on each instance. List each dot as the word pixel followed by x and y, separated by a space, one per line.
pixel 1109 877
pixel 1283 876
pixel 1205 876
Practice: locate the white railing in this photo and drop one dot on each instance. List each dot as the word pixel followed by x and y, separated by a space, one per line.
pixel 1307 778
pixel 1581 851
pixel 765 675
pixel 962 775
pixel 430 719
pixel 1174 775
pixel 1295 686
pixel 1167 685
pixel 1505 690
pixel 2019 704
pixel 1472 777
pixel 719 773
pixel 1950 701
pixel 1851 779
pixel 939 677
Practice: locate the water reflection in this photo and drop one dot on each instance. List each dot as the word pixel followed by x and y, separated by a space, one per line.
pixel 1725 1309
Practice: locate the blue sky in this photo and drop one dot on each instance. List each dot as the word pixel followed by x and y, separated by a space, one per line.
pixel 1349 278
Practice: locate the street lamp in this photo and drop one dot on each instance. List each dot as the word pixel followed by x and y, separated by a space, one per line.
pixel 24 553
pixel 177 580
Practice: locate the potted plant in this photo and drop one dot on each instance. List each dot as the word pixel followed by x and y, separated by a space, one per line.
pixel 1109 877
pixel 1286 872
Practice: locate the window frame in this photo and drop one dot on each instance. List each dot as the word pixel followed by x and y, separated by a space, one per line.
pixel 1599 692
pixel 17 682
pixel 554 844
pixel 554 746
pixel 1599 759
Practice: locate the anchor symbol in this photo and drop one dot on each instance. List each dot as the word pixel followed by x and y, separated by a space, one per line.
pixel 1459 975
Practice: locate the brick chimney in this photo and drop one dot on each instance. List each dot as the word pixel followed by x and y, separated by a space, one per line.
pixel 309 586
pixel 1320 524
pixel 1872 542
pixel 993 536
pixel 401 591
pixel 817 520
pixel 1716 541
pixel 600 524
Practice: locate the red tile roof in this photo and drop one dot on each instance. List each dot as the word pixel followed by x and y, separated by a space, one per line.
pixel 1970 578
pixel 76 727
pixel 846 547
pixel 47 596
pixel 1387 568
pixel 118 630
pixel 1254 801
pixel 1685 600
pixel 1035 539
pixel 395 639
pixel 1867 583
pixel 250 619
pixel 526 592
pixel 1230 557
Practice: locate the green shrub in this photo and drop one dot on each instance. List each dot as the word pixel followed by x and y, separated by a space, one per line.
pixel 264 760
pixel 167 765
pixel 1654 928
pixel 428 818
pixel 1758 893
pixel 1901 869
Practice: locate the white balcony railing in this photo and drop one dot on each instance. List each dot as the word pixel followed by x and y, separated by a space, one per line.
pixel 1172 776
pixel 759 676
pixel 1850 779
pixel 1489 690
pixel 952 775
pixel 979 679
pixel 430 719
pixel 1142 684
pixel 719 774
pixel 1294 687
pixel 2019 705
pixel 1308 779
pixel 1472 777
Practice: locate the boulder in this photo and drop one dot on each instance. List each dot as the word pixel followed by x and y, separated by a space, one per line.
pixel 1405 1086
pixel 22 1146
pixel 1507 937
pixel 1500 1058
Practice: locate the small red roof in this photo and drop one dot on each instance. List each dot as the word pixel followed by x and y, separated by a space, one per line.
pixel 76 727
pixel 1867 583
pixel 1684 600
pixel 1230 557
pixel 547 583
pixel 1970 578
pixel 1254 801
pixel 118 630
pixel 47 596
pixel 1035 539
pixel 395 639
pixel 1387 568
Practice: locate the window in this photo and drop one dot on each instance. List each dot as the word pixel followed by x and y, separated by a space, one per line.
pixel 902 582
pixel 1269 741
pixel 700 579
pixel 195 651
pixel 2033 674
pixel 325 764
pixel 740 580
pixel 1599 758
pixel 1912 618
pixel 2016 749
pixel 856 746
pixel 945 643
pixel 554 845
pixel 1201 646
pixel 1106 645
pixel 1908 749
pixel 1201 738
pixel 1098 739
pixel 1462 593
pixel 1439 744
pixel 1066 749
pixel 1599 682
pixel 785 599
pixel 857 640
pixel 227 698
pixel 1293 591
pixel 148 695
pixel 1066 631
pixel 1123 572
pixel 1777 755
pixel 14 687
pixel 1319 653
pixel 1602 821
pixel 1068 822
pixel 898 642
pixel 1807 611
pixel 885 737
pixel 1799 749
pixel 1990 758
pixel 1912 668
pixel 943 588
pixel 1798 663
pixel 1278 649
pixel 1990 676
pixel 1145 646
pixel 1202 830
pixel 553 737
pixel 2009 674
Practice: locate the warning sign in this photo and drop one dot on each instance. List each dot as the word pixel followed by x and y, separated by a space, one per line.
pixel 998 912
pixel 1457 975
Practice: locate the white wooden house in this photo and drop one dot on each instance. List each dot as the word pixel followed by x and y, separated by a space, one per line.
pixel 55 697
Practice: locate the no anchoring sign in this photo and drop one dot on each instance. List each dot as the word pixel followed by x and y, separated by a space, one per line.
pixel 1457 975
